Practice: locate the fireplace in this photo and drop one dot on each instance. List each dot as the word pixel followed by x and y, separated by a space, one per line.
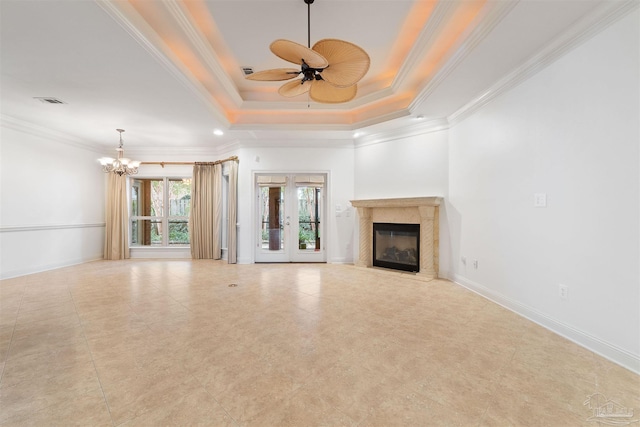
pixel 396 246
pixel 420 211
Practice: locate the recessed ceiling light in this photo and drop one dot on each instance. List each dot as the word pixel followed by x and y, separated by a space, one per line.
pixel 420 117
pixel 358 134
pixel 218 132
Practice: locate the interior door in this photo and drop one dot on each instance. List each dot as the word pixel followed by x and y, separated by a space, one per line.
pixel 290 218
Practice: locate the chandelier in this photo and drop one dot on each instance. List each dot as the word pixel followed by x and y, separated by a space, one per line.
pixel 121 165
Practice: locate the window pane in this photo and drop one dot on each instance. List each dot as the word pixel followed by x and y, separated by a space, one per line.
pixel 146 232
pixel 178 233
pixel 179 197
pixel 135 190
pixel 148 199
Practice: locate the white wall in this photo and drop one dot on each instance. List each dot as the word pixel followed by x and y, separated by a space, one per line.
pixel 51 204
pixel 572 132
pixel 415 166
pixel 408 167
pixel 336 162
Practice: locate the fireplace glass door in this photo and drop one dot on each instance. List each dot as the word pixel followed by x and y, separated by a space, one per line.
pixel 396 246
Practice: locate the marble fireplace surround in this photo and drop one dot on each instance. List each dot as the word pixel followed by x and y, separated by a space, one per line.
pixel 412 210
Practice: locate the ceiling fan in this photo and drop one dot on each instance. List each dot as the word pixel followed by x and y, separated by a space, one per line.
pixel 330 69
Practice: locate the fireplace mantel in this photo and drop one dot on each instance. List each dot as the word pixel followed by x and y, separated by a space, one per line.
pixel 408 202
pixel 410 210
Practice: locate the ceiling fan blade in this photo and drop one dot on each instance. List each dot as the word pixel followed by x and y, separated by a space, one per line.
pixel 295 53
pixel 348 62
pixel 294 88
pixel 274 75
pixel 327 93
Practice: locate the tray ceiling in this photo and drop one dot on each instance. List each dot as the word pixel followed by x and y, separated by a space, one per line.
pixel 171 71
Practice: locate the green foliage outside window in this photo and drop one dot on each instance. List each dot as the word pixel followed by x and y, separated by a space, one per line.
pixel 305 231
pixel 178 233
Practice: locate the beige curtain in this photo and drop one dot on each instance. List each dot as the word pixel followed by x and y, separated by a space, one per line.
pixel 205 220
pixel 116 243
pixel 232 246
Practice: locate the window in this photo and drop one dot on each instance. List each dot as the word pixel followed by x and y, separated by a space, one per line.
pixel 160 211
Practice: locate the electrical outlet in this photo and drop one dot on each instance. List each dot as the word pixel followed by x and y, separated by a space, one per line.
pixel 540 200
pixel 563 291
pixel 475 264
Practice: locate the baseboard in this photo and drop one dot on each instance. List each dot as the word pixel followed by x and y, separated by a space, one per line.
pixel 608 351
pixel 347 261
pixel 444 274
pixel 42 268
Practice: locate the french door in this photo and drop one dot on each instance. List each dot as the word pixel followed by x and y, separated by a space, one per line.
pixel 290 218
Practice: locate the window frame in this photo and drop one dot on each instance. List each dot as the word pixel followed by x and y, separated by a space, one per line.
pixel 165 219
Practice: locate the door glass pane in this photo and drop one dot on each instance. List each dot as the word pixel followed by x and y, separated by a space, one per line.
pixel 271 218
pixel 309 218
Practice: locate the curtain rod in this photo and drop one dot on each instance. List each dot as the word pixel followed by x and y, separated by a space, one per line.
pixel 230 159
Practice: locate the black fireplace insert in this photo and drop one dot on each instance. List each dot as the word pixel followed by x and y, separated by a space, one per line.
pixel 396 246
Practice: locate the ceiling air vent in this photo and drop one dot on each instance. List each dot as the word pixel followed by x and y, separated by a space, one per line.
pixel 49 100
pixel 247 70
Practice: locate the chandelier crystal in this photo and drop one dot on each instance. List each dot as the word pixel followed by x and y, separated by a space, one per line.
pixel 120 165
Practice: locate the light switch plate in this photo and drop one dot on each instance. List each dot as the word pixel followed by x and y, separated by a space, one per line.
pixel 540 200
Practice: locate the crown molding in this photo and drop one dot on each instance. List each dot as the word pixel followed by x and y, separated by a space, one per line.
pixel 39 131
pixel 298 143
pixel 382 118
pixel 421 128
pixel 583 30
pixel 314 106
pixel 486 25
pixel 197 40
pixel 124 15
pixel 174 151
pixel 442 11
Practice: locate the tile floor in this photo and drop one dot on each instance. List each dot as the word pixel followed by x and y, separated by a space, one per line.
pixel 171 343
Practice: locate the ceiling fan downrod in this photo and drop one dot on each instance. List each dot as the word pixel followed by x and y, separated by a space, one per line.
pixel 309 3
pixel 309 73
